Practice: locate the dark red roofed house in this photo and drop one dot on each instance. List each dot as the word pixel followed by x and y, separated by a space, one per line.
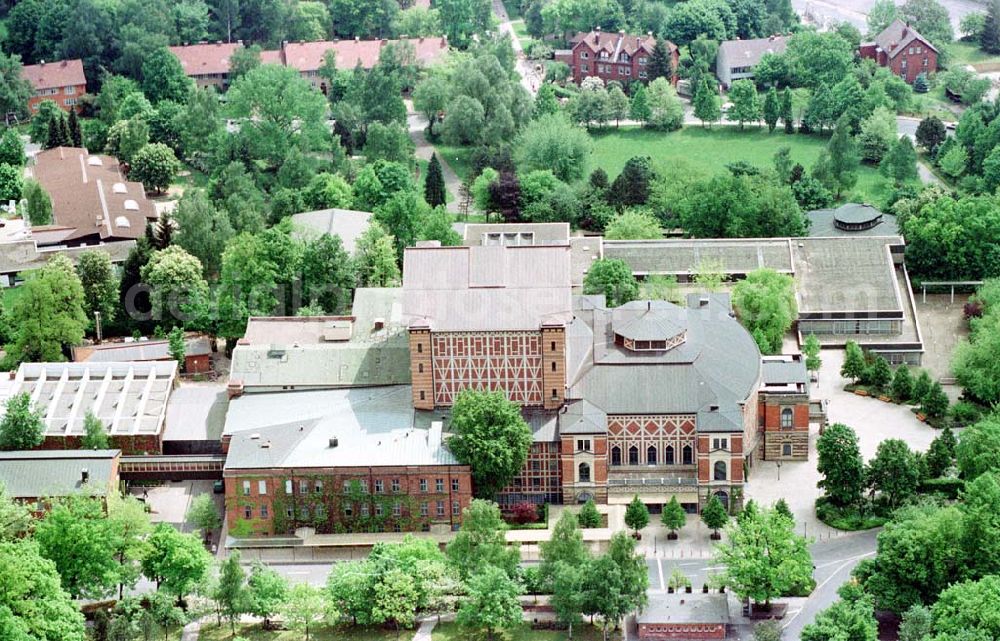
pixel 62 82
pixel 903 50
pixel 613 56
pixel 207 63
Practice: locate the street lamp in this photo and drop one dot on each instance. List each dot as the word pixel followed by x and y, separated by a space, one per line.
pixel 779 470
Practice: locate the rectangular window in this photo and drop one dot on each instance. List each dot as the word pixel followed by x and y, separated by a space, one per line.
pixel 379 486
pixel 439 485
pixel 397 509
pixel 364 485
pixel 289 513
pixel 583 444
pixel 456 508
pixel 454 485
pixel 423 509
pixel 395 485
pixel 720 444
pixel 288 486
pixel 303 487
pixel 317 487
pixel 262 487
pixel 348 509
pixel 536 482
pixel 246 488
pixel 247 512
pixel 378 509
pixel 263 511
pixel 583 68
pixel 71 89
pixel 628 71
pixel 364 509
pixel 423 485
pixel 440 509
pixel 321 512
pixel 304 513
pixel 347 487
pixel 584 55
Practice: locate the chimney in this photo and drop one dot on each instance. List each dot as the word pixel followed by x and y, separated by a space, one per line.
pixel 41 63
pixel 334 442
pixel 703 301
pixel 379 324
pixel 84 476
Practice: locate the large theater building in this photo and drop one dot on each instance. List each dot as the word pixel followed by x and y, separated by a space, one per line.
pixel 650 399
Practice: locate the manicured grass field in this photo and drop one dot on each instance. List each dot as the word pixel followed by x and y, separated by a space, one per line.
pixel 254 632
pixel 453 632
pixel 968 53
pixel 458 158
pixel 710 150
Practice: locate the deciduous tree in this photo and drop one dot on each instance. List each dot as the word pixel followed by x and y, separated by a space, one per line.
pixel 841 465
pixel 489 435
pixel 612 278
pixel 155 166
pixel 765 303
pixel 491 604
pixel 481 541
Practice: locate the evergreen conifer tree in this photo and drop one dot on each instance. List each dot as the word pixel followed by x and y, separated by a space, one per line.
pixel 660 64
pixel 75 135
pixel 772 109
pixel 434 192
pixel 786 111
pixel 989 41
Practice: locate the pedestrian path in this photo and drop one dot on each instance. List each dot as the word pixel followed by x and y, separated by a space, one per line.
pixel 423 632
pixel 193 629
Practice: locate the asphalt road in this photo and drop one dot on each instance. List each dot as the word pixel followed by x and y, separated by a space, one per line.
pixel 831 12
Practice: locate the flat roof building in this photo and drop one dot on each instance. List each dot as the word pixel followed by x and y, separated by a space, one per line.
pixel 851 219
pixel 197 353
pixel 852 286
pixel 369 347
pixel 130 399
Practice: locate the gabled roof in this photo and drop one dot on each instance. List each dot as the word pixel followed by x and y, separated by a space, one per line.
pixel 897 37
pixel 496 288
pixel 52 75
pixel 206 58
pixel 616 43
pixel 346 224
pixel 748 53
pixel 90 197
pixel 53 473
pixel 308 56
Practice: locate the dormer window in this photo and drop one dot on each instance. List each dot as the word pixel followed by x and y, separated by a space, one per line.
pixel 624 58
pixel 604 55
pixel 122 221
pixel 119 188
pixel 131 205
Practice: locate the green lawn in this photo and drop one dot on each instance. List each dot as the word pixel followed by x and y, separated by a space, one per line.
pixel 968 53
pixel 454 632
pixel 254 632
pixel 458 158
pixel 709 150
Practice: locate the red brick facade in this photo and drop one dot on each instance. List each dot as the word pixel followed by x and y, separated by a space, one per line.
pixel 904 51
pixel 334 500
pixel 614 56
pixel 584 467
pixel 63 82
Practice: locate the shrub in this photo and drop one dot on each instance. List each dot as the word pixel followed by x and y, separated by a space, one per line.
pixel 849 519
pixel 589 517
pixel 972 309
pixel 524 513
pixel 948 487
pixel 965 413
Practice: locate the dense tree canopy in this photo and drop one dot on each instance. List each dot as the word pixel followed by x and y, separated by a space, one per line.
pixel 490 436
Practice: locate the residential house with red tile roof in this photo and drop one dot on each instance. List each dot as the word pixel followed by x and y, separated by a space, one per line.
pixel 207 63
pixel 92 202
pixel 613 56
pixel 62 82
pixel 903 50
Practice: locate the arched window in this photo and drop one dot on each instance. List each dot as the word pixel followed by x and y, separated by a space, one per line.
pixel 720 471
pixel 584 473
pixel 786 449
pixel 786 418
pixel 616 455
pixel 651 455
pixel 668 457
pixel 633 455
pixel 724 499
pixel 687 455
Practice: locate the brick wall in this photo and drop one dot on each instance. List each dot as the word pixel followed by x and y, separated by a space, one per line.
pixel 60 97
pixel 318 499
pixel 553 366
pixel 421 376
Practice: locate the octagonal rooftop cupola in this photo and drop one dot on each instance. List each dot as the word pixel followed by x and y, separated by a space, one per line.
pixel 649 326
